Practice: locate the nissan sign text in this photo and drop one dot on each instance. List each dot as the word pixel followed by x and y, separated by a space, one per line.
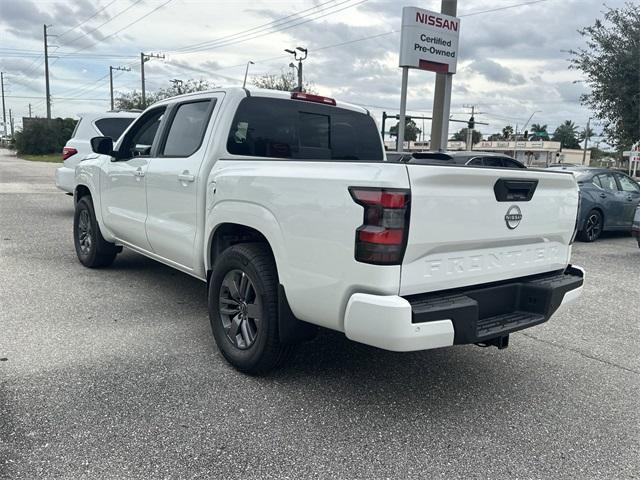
pixel 429 40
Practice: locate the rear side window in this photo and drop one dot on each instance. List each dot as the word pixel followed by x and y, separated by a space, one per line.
pixel 492 162
pixel 271 127
pixel 187 128
pixel 113 127
pixel 628 185
pixel 512 163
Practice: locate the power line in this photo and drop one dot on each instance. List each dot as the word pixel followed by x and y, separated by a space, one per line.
pixel 277 30
pixel 90 18
pixel 104 23
pixel 267 25
pixel 127 26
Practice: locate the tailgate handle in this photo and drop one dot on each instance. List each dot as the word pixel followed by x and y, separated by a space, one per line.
pixel 514 189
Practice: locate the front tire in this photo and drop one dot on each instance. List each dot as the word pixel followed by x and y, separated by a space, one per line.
pixel 243 309
pixel 593 226
pixel 92 249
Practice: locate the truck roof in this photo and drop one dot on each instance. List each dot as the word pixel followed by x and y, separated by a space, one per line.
pixel 257 92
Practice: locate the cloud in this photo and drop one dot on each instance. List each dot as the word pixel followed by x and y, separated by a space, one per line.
pixel 495 72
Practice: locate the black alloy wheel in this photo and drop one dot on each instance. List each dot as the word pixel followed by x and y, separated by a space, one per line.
pixel 240 309
pixel 593 226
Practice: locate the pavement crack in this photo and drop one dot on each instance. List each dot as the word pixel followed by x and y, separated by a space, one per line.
pixel 586 355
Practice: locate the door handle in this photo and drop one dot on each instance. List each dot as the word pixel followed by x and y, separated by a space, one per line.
pixel 138 172
pixel 186 176
pixel 603 195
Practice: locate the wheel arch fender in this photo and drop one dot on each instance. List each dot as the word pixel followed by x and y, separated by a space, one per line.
pixel 234 222
pixel 86 186
pixel 245 217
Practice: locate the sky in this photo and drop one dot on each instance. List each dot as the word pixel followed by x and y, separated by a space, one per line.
pixel 513 54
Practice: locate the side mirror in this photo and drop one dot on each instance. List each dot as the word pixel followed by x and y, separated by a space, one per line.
pixel 102 145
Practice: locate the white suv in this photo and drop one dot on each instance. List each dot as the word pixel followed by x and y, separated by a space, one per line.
pixel 109 124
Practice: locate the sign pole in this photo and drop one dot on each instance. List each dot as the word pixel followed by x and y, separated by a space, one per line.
pixel 403 110
pixel 442 95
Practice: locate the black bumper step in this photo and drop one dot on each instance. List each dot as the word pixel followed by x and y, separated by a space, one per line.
pixel 483 312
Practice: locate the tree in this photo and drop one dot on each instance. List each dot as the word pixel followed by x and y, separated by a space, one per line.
pixel 507 132
pixel 461 136
pixel 133 100
pixel 539 132
pixel 611 63
pixel 40 135
pixel 588 133
pixel 285 81
pixel 567 135
pixel 495 137
pixel 411 130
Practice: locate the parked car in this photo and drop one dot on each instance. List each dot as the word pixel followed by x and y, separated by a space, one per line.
pixel 283 203
pixel 608 201
pixel 635 230
pixel 466 157
pixel 109 124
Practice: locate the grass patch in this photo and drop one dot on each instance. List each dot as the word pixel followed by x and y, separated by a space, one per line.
pixel 49 157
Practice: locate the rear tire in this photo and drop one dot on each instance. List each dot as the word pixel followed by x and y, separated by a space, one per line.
pixel 92 249
pixel 243 309
pixel 593 227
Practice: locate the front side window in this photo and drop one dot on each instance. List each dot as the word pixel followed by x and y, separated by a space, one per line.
pixel 596 181
pixel 140 138
pixel 281 128
pixel 113 127
pixel 187 129
pixel 628 185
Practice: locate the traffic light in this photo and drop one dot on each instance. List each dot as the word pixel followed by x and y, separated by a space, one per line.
pixel 526 134
pixel 471 124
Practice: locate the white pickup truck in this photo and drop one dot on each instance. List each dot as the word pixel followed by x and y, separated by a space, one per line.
pixel 286 205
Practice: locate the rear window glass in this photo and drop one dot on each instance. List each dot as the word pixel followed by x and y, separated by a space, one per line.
pixel 270 127
pixel 113 127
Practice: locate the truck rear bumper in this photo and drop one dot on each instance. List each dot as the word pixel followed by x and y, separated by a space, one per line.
pixel 467 315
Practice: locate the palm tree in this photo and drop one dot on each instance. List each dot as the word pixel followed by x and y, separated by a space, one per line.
pixel 539 131
pixel 567 135
pixel 586 133
pixel 507 132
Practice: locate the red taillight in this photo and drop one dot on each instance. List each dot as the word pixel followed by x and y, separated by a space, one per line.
pixel 313 98
pixel 382 238
pixel 68 152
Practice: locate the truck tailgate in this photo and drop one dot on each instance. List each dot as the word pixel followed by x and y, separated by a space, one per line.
pixel 475 225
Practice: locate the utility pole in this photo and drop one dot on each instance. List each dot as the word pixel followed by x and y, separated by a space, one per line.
pixel 145 57
pixel 4 114
pixel 442 94
pixel 470 127
pixel 46 73
pixel 403 110
pixel 11 122
pixel 586 139
pixel 29 110
pixel 299 58
pixel 111 69
pixel 515 145
pixel 178 84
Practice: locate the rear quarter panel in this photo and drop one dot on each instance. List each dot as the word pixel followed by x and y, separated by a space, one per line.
pixel 306 212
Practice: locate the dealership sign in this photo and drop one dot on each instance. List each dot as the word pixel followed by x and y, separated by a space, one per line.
pixel 429 40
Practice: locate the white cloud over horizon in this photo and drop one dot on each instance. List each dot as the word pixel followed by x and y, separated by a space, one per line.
pixel 512 61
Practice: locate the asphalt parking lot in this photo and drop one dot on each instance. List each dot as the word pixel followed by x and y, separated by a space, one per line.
pixel 114 374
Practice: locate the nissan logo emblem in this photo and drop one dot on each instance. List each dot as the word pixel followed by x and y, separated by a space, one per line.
pixel 513 217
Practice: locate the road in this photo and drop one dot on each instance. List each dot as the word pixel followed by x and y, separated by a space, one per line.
pixel 114 374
